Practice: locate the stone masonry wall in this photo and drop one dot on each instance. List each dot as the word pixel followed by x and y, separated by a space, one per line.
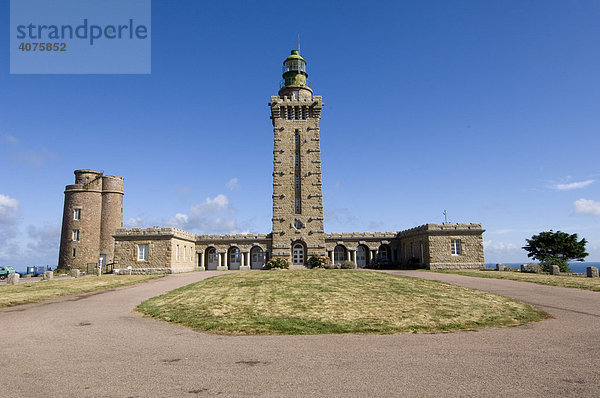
pixel 163 253
pixel 286 168
pixel 437 240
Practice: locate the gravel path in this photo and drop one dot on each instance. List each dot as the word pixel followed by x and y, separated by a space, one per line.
pixel 93 345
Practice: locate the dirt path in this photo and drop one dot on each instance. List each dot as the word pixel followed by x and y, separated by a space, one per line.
pixel 93 345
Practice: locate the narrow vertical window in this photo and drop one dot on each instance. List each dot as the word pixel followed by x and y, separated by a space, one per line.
pixel 303 113
pixel 177 253
pixel 76 235
pixel 455 247
pixel 142 252
pixel 77 214
pixel 289 113
pixel 297 173
pixel 74 252
pixel 296 113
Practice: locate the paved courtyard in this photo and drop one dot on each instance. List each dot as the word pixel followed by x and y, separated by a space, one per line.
pixel 94 345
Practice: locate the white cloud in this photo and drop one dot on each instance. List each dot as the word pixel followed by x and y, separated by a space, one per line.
pixel 211 216
pixel 209 206
pixel 44 240
pixel 135 222
pixel 573 185
pixel 503 252
pixel 9 211
pixel 587 206
pixel 10 139
pixel 233 184
pixel 501 231
pixel 8 208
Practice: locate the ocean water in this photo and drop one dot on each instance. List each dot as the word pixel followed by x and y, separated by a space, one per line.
pixel 576 266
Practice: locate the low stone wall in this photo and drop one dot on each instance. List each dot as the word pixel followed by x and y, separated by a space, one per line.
pixel 442 266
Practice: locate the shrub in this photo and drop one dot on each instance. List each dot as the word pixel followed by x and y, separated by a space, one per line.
pixel 347 264
pixel 318 261
pixel 277 263
pixel 562 263
pixel 330 265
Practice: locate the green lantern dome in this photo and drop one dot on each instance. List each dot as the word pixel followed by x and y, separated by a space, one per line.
pixel 294 70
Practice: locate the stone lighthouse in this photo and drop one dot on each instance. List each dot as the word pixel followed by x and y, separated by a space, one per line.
pixel 298 229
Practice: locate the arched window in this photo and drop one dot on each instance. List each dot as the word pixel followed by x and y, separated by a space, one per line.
pixel 384 252
pixel 338 254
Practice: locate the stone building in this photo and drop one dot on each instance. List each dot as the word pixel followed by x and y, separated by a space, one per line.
pixel 297 223
pixel 93 210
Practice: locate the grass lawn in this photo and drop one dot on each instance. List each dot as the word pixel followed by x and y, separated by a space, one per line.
pixel 542 279
pixel 24 293
pixel 331 302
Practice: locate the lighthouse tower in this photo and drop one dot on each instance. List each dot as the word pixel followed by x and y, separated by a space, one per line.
pixel 297 186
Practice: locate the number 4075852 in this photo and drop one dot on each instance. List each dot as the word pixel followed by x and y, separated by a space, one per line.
pixel 43 47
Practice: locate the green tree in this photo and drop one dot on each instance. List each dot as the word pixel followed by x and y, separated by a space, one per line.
pixel 556 248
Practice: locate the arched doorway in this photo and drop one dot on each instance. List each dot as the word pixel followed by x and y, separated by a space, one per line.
pixel 257 258
pixel 385 253
pixel 339 254
pixel 361 256
pixel 211 259
pixel 235 259
pixel 298 254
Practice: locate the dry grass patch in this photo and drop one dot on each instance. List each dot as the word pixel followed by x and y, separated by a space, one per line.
pixel 24 293
pixel 578 282
pixel 331 302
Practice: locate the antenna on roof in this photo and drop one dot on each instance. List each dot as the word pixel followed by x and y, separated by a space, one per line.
pixel 298 42
pixel 445 216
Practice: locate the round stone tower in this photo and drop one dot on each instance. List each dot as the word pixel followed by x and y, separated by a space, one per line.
pixel 112 215
pixel 92 212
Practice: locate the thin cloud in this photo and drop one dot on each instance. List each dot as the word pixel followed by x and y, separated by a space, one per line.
pixel 9 212
pixel 211 216
pixel 573 185
pixel 587 206
pixel 10 139
pixel 35 158
pixel 44 240
pixel 233 184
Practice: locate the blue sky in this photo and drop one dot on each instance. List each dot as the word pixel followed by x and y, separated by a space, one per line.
pixel 489 110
